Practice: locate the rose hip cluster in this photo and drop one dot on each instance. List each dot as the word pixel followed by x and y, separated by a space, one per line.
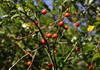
pixel 60 24
pixel 55 35
pixel 49 35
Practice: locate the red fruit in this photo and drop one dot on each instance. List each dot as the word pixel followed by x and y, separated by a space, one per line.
pixel 61 23
pixel 49 35
pixel 77 49
pixel 91 67
pixel 44 11
pixel 67 14
pixel 54 35
pixel 36 22
pixel 43 69
pixel 29 63
pixel 50 65
pixel 77 24
pixel 66 27
pixel 43 42
pixel 55 51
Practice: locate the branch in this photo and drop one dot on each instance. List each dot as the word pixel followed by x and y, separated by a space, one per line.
pixel 33 57
pixel 48 47
pixel 17 61
pixel 70 53
pixel 29 35
pixel 22 58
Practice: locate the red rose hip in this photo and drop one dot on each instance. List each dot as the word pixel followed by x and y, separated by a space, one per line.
pixel 55 51
pixel 77 24
pixel 77 49
pixel 36 22
pixel 66 27
pixel 50 65
pixel 49 35
pixel 67 14
pixel 54 35
pixel 44 11
pixel 91 67
pixel 43 69
pixel 61 23
pixel 29 63
pixel 43 42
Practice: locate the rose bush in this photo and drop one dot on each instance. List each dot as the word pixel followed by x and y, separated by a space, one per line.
pixel 49 35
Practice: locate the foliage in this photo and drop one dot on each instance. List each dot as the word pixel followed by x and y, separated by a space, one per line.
pixel 23 26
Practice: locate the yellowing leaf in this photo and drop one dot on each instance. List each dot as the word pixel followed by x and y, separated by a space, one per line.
pixel 90 28
pixel 18 5
pixel 29 24
pixel 98 18
pixel 75 19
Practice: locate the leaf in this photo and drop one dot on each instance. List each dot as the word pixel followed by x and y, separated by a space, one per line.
pixel 16 15
pixel 88 47
pixel 20 44
pixel 96 56
pixel 97 23
pixel 45 19
pixel 2 32
pixel 83 28
pixel 73 9
pixel 18 6
pixel 90 1
pixel 5 16
pixel 98 19
pixel 54 12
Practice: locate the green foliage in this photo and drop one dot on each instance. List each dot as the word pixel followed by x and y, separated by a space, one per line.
pixel 89 47
pixel 20 36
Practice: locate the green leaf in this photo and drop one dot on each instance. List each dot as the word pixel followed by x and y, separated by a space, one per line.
pixel 18 5
pixel 2 32
pixel 97 23
pixel 16 15
pixel 54 12
pixel 73 9
pixel 83 28
pixel 5 16
pixel 88 47
pixel 96 56
pixel 20 44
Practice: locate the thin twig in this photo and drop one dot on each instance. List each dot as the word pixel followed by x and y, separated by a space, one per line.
pixel 18 61
pixel 70 53
pixel 29 35
pixel 32 59
pixel 21 59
